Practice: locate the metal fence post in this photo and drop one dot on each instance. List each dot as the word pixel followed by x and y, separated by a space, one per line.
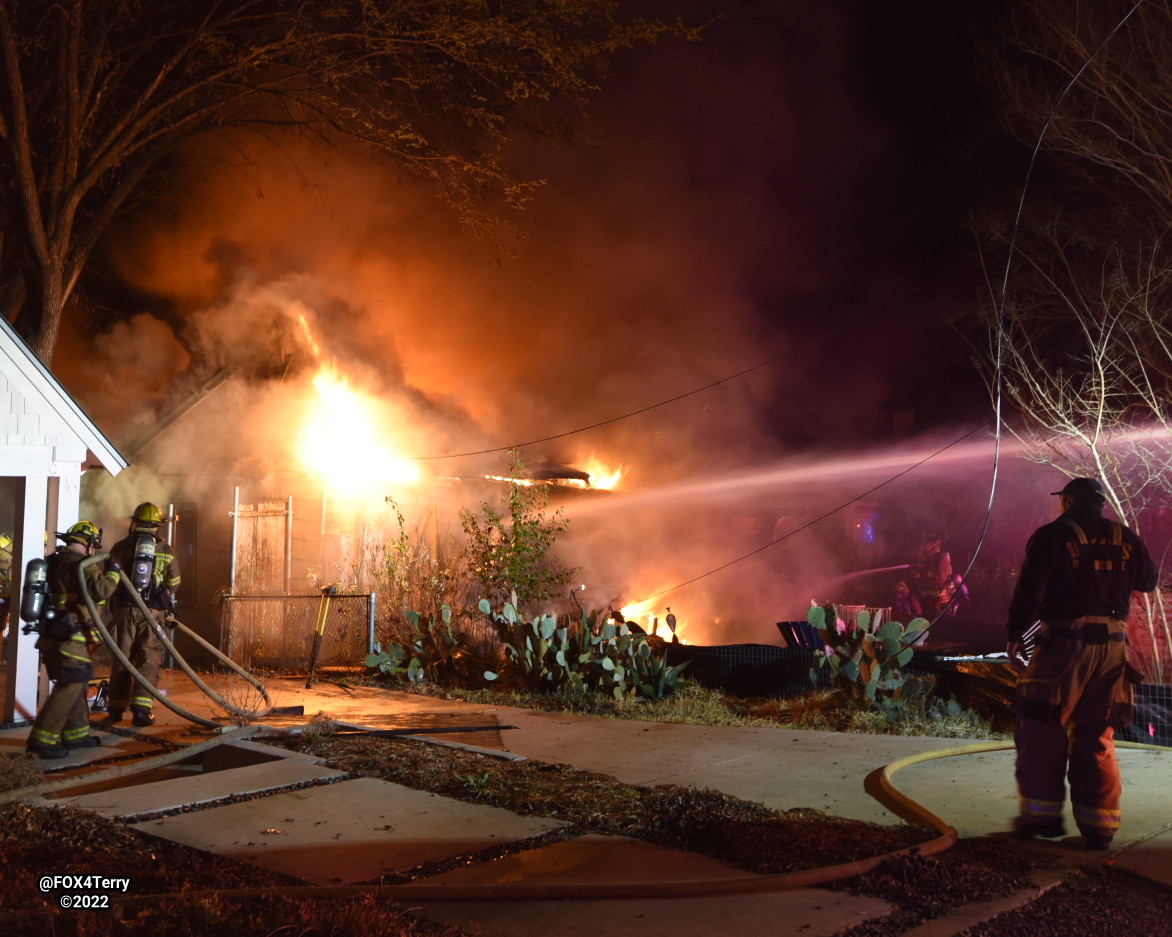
pixel 370 625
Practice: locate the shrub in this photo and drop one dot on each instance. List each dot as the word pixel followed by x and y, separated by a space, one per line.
pixel 511 551
pixel 865 659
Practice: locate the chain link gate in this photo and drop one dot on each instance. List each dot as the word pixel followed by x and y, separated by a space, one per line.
pixel 262 625
pixel 275 632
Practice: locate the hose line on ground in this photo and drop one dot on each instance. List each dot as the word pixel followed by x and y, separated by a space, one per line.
pixel 879 784
pixel 217 698
pixel 886 792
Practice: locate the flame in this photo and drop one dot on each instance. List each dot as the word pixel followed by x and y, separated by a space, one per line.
pixel 646 613
pixel 600 477
pixel 601 474
pixel 523 482
pixel 341 442
pixel 642 612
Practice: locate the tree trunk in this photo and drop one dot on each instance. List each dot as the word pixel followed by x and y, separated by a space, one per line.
pixel 53 298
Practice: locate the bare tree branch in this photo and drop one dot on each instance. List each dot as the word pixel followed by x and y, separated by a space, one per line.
pixel 99 92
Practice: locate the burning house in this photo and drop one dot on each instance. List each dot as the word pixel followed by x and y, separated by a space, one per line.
pixel 273 546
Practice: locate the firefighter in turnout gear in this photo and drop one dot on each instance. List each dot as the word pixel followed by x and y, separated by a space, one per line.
pixel 1078 577
pixel 67 639
pixel 5 582
pixel 149 562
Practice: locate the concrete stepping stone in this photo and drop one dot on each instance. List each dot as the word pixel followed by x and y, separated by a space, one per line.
pixel 203 788
pixel 349 832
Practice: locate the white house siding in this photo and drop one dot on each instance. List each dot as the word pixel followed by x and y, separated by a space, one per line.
pixel 45 439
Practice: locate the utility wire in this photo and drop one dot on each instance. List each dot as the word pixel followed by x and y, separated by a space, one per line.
pixel 821 517
pixel 997 420
pixel 626 416
pixel 697 390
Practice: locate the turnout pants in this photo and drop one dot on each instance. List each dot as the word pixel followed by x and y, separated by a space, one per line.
pixel 136 638
pixel 1075 693
pixel 65 717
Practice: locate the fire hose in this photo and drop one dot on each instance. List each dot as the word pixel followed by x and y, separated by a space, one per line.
pixel 217 698
pixel 879 784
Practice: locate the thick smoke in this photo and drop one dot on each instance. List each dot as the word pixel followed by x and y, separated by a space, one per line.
pixel 703 240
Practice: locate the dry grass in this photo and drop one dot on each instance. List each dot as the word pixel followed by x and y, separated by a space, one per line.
pixel 923 714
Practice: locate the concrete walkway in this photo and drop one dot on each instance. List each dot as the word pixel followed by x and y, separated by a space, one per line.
pixel 324 829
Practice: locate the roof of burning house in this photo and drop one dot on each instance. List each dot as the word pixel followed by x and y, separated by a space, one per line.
pixel 554 471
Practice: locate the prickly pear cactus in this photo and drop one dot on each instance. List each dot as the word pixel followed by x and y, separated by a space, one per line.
pixel 865 660
pixel 580 656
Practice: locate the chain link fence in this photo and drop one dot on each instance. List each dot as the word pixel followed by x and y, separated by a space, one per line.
pixel 275 632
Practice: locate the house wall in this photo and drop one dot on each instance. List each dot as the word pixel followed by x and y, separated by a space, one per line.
pixel 41 460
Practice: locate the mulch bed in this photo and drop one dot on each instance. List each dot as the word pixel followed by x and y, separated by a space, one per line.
pixel 744 835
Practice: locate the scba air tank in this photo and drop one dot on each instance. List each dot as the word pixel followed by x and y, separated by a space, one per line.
pixel 142 570
pixel 36 590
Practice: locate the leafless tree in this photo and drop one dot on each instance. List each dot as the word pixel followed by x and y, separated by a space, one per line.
pixel 1077 336
pixel 99 94
pixel 1110 131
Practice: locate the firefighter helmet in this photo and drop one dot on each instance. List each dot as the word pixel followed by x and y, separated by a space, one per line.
pixel 83 532
pixel 147 515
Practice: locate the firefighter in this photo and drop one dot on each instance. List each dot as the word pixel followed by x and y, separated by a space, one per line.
pixel 153 570
pixel 932 575
pixel 67 639
pixel 1078 687
pixel 5 581
pixel 905 607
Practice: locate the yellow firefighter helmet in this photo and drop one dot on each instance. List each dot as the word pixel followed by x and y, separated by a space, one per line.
pixel 147 515
pixel 83 532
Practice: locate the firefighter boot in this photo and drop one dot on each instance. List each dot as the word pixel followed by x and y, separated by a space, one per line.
pixel 1043 827
pixel 142 717
pixel 46 752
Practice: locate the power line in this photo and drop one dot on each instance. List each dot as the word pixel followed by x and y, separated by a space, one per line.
pixel 686 394
pixel 821 517
pixel 997 419
pixel 626 416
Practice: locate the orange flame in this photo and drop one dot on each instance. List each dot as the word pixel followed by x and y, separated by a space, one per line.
pixel 523 482
pixel 646 613
pixel 601 474
pixel 341 442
